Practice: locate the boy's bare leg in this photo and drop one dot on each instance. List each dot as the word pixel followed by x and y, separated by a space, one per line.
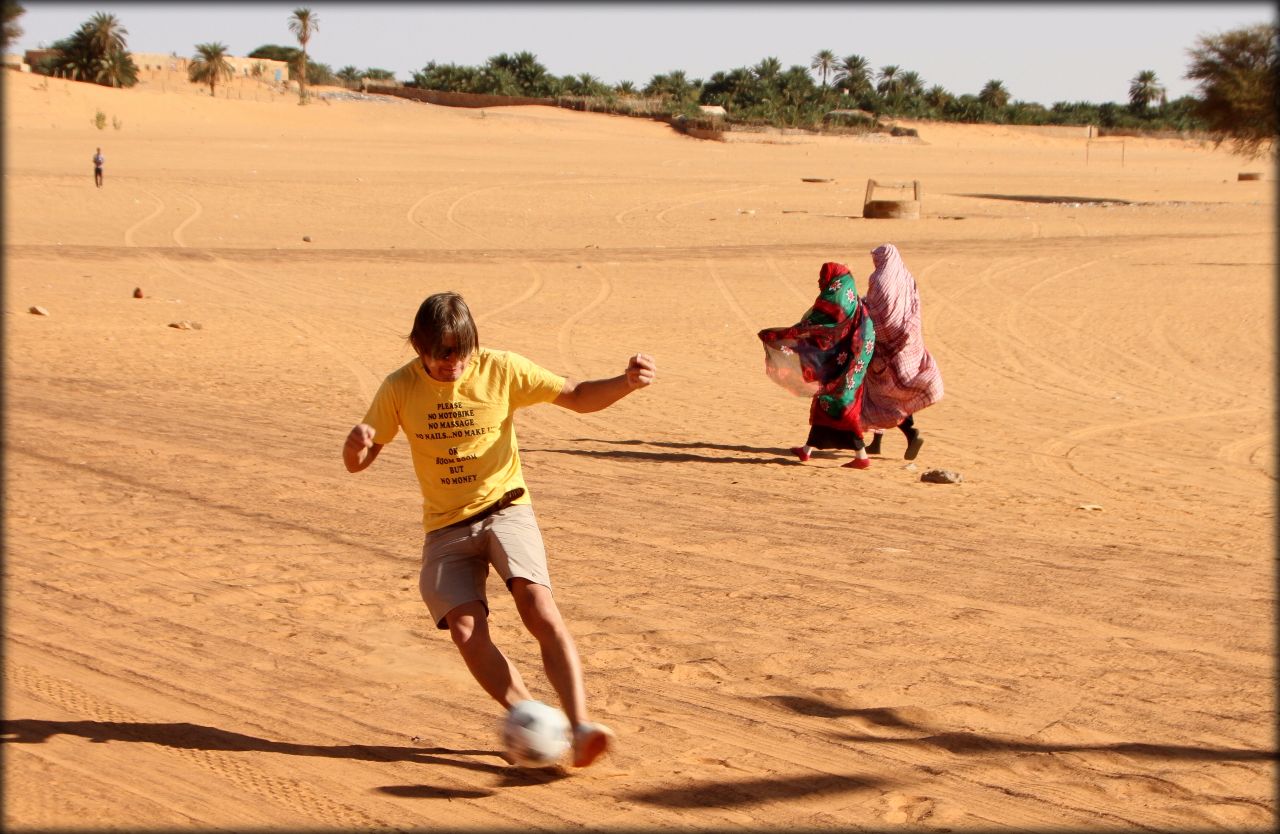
pixel 469 628
pixel 542 618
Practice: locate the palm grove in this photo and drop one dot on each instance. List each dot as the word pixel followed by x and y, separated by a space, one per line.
pixel 1235 101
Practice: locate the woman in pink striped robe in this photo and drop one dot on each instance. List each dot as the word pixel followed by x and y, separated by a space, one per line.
pixel 903 377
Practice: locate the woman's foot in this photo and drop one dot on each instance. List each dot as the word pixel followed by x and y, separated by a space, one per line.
pixel 913 446
pixel 802 452
pixel 858 463
pixel 873 448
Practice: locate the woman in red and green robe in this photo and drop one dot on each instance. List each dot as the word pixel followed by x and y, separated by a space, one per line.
pixel 825 356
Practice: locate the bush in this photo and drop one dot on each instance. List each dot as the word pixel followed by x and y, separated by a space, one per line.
pixel 100 120
pixel 1237 74
pixel 855 121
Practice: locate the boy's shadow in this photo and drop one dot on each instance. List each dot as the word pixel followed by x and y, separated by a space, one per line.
pixel 199 737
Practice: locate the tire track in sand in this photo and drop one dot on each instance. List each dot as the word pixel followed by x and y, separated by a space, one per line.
pixel 367 381
pixel 737 308
pixel 564 336
pixel 1246 452
pixel 453 207
pixel 177 233
pixel 529 292
pixel 786 280
pixel 421 224
pixel 129 232
pixel 662 215
pixel 1021 306
pixel 1056 452
pixel 697 197
pixel 564 342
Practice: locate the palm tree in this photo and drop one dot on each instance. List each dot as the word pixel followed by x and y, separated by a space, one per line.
pixel 72 58
pixel 911 83
pixel 742 85
pixel 673 85
pixel 209 65
pixel 966 108
pixel 767 70
pixel 349 74
pixel 105 34
pixel 529 75
pixel 625 88
pixel 303 23
pixel 116 69
pixel 994 95
pixel 738 89
pixel 451 78
pixel 854 74
pixel 890 88
pixel 889 83
pixel 529 72
pixel 97 53
pixel 589 85
pixel 825 63
pixel 1144 89
pixel 937 97
pixel 497 80
pixel 796 84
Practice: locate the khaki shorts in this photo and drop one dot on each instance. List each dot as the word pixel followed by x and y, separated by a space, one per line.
pixel 456 559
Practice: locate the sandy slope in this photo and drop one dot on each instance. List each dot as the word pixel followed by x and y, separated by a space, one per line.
pixel 210 624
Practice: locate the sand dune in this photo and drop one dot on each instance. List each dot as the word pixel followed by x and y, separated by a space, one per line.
pixel 209 623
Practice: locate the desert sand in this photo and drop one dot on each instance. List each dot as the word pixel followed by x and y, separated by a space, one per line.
pixel 210 624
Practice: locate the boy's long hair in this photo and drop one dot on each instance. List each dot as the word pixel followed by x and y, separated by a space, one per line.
pixel 443 314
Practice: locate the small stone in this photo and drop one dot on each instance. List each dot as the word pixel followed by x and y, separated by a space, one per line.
pixel 186 325
pixel 39 311
pixel 306 238
pixel 1089 507
pixel 137 292
pixel 941 476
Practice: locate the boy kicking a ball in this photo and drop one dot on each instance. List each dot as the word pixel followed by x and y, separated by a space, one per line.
pixel 455 403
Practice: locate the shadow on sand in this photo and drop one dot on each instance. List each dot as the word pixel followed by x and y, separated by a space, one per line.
pixel 974 743
pixel 199 737
pixel 772 455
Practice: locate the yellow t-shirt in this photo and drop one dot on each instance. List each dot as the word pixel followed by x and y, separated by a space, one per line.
pixel 461 434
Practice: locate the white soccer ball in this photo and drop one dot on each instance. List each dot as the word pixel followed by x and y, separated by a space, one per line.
pixel 534 734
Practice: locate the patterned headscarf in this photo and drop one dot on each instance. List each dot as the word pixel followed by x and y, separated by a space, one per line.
pixel 826 354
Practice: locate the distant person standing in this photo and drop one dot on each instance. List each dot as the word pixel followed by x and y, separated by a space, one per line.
pixel 97 168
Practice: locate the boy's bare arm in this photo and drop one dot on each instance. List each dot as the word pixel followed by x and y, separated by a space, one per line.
pixel 596 394
pixel 359 450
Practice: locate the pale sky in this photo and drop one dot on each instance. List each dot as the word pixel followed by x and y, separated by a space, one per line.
pixel 1042 52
